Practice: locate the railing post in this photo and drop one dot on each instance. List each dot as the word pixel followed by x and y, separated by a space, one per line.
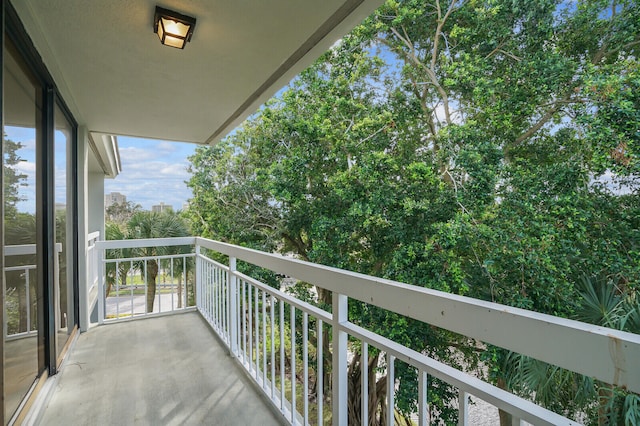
pixel 83 290
pixel 339 359
pixel 197 284
pixel 102 297
pixel 233 307
pixel 391 406
pixel 463 408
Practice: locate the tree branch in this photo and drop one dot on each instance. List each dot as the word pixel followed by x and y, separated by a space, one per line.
pixel 432 75
pixel 538 125
pixel 299 245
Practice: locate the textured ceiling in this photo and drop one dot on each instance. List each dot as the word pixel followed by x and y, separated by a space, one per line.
pixel 118 79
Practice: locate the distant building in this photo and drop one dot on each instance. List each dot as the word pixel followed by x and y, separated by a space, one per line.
pixel 114 198
pixel 162 207
pixel 61 206
pixel 185 205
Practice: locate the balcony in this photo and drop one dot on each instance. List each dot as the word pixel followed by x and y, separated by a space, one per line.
pixel 171 369
pixel 154 372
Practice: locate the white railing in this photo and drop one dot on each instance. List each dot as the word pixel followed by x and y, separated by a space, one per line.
pixel 27 270
pixel 127 295
pixel 271 332
pixel 93 269
pixel 90 289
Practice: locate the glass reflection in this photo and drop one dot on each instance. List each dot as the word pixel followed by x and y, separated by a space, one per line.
pixel 63 282
pixel 22 294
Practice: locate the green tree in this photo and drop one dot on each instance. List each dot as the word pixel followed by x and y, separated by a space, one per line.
pixel 465 146
pixel 304 175
pixel 13 179
pixel 121 212
pixel 19 228
pixel 143 225
pixel 114 231
pixel 527 105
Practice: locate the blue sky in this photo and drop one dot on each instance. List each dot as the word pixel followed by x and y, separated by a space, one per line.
pixel 26 136
pixel 153 171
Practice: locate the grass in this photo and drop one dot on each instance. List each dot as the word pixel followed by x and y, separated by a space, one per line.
pixel 313 406
pixel 138 279
pixel 137 291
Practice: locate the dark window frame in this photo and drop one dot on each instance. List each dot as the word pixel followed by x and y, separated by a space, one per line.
pixel 14 31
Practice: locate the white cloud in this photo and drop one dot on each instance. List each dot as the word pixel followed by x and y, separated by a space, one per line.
pixel 26 167
pixel 152 172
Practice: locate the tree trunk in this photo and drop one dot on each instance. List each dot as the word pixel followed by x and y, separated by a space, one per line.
pixel 123 275
pixel 189 288
pixel 152 273
pixel 381 394
pixel 506 419
pixel 401 420
pixel 376 393
pixel 354 396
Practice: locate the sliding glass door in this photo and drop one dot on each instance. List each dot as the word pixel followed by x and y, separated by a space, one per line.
pixel 39 221
pixel 63 272
pixel 23 290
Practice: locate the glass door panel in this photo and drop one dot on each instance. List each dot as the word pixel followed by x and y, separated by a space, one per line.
pixel 63 286
pixel 24 352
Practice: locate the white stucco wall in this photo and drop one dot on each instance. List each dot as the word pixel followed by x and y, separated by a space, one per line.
pixel 95 198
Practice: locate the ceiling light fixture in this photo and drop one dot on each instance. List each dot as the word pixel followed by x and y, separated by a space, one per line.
pixel 174 29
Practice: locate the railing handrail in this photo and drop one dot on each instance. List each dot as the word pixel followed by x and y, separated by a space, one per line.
pixel 613 354
pixel 20 268
pixel 141 258
pixel 523 409
pixel 499 398
pixel 25 249
pixel 145 242
pixel 93 236
pixel 291 300
pixel 99 249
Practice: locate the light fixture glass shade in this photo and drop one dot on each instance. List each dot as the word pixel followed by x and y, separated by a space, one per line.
pixel 173 29
pixel 174 42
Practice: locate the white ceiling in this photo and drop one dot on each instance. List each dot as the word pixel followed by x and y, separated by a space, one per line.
pixel 118 79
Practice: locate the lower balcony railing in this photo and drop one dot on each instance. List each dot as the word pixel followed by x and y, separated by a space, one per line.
pixel 18 288
pixel 283 342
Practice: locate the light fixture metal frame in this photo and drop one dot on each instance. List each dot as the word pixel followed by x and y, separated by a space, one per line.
pixel 189 21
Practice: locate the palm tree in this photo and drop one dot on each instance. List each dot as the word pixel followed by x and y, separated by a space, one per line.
pixel 113 231
pixel 603 302
pixel 180 267
pixel 155 225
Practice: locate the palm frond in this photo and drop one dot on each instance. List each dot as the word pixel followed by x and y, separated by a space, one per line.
pixel 601 302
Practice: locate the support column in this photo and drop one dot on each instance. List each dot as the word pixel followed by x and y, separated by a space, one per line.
pixel 83 230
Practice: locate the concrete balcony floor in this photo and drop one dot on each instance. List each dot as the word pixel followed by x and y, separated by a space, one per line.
pixel 168 370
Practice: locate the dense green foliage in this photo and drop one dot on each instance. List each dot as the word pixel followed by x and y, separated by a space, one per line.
pixel 485 148
pixel 19 228
pixel 12 178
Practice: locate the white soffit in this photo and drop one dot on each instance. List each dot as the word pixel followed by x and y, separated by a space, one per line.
pixel 106 153
pixel 117 78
